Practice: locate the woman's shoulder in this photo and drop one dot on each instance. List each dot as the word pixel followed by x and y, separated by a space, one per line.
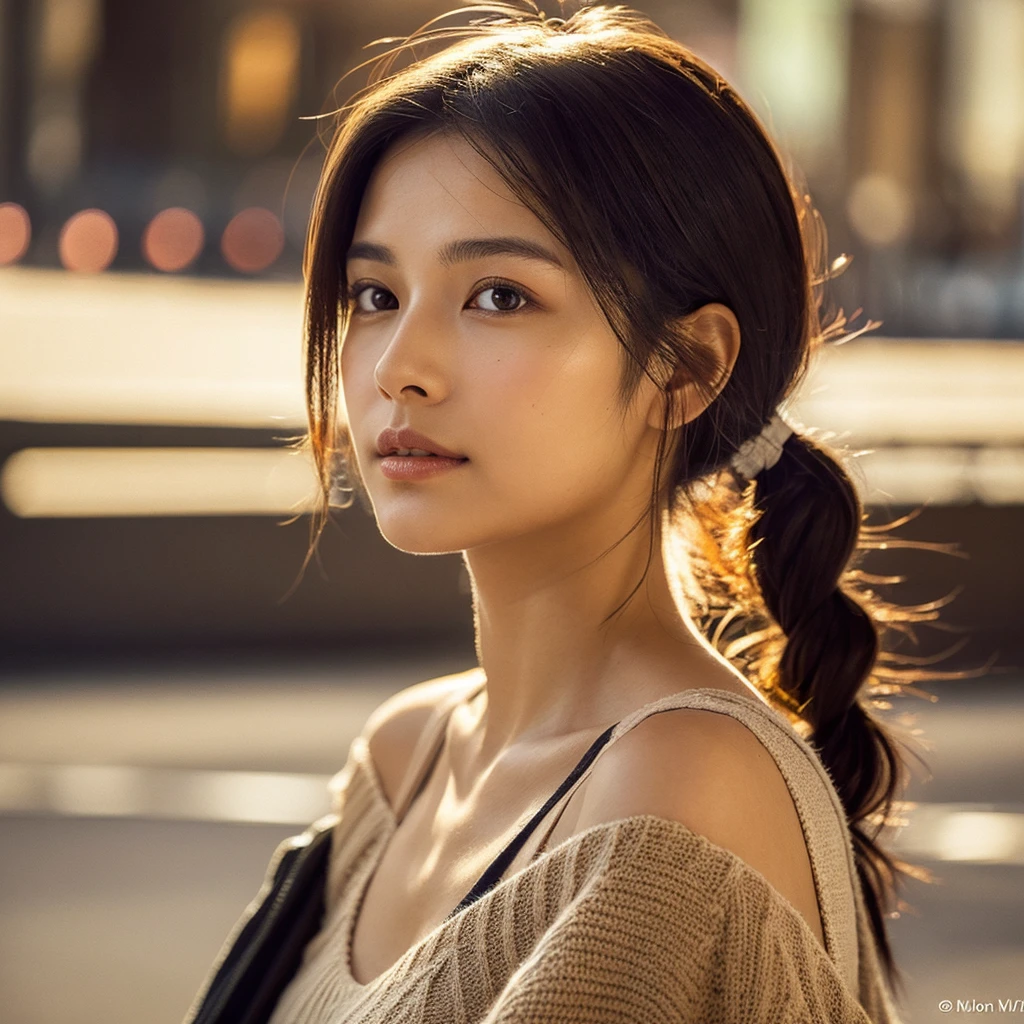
pixel 712 773
pixel 394 728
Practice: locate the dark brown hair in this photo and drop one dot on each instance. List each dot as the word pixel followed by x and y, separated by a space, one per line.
pixel 670 195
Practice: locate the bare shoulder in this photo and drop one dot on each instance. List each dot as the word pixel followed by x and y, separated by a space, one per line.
pixel 394 727
pixel 699 767
pixel 709 772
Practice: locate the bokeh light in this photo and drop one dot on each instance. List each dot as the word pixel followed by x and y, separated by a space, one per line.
pixel 15 233
pixel 253 240
pixel 88 241
pixel 173 239
pixel 260 78
pixel 880 210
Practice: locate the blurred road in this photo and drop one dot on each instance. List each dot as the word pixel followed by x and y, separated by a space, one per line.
pixel 130 843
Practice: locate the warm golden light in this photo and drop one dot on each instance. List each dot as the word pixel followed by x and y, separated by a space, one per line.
pixel 15 233
pixel 261 64
pixel 253 240
pixel 150 348
pixel 912 475
pixel 88 241
pixel 887 391
pixel 176 794
pixel 880 210
pixel 985 126
pixel 173 239
pixel 106 482
pixel 965 833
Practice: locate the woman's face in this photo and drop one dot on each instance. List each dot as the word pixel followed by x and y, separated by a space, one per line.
pixel 500 356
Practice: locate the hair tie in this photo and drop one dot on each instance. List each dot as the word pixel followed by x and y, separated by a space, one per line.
pixel 763 451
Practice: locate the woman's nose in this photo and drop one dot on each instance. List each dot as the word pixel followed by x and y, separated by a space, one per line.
pixel 416 357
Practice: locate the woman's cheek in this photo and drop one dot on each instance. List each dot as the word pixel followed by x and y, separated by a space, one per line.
pixel 357 386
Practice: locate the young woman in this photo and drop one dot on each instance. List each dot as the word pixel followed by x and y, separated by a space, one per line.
pixel 560 280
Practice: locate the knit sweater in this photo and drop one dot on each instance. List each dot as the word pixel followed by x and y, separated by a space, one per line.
pixel 634 921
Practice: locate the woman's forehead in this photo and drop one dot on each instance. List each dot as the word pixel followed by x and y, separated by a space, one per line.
pixel 437 187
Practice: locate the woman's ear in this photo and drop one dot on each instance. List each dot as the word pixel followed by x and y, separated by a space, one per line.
pixel 713 327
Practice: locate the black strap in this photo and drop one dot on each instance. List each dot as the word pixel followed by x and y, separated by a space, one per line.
pixel 264 955
pixel 492 875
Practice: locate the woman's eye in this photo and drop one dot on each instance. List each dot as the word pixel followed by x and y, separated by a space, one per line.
pixel 371 298
pixel 503 298
pixel 492 298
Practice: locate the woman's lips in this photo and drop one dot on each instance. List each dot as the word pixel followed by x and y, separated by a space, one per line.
pixel 391 439
pixel 417 467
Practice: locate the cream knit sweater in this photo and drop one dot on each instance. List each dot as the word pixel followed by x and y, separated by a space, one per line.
pixel 635 921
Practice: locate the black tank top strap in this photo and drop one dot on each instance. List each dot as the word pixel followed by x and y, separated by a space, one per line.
pixel 497 868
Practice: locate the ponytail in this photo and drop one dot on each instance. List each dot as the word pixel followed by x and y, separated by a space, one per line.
pixel 804 530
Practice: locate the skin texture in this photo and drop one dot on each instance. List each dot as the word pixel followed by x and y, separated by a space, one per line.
pixel 558 472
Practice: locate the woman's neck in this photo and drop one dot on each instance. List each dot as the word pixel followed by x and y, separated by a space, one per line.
pixel 552 667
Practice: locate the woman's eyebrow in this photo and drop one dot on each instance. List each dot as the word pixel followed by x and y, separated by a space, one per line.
pixel 462 250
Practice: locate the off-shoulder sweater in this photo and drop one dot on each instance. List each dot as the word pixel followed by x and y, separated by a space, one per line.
pixel 634 921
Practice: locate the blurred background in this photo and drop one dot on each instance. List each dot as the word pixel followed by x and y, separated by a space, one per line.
pixel 174 695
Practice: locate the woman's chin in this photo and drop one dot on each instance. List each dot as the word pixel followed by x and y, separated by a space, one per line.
pixel 417 539
pixel 423 549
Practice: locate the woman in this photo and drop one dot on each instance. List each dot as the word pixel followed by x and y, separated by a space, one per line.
pixel 574 287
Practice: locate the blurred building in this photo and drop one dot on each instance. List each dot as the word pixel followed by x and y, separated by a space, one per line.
pixel 905 116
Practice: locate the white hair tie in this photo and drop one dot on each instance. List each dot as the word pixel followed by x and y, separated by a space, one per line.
pixel 763 451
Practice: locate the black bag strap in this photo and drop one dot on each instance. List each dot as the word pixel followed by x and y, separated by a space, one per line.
pixel 265 950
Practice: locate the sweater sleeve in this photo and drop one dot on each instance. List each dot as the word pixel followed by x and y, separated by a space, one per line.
pixel 681 934
pixel 769 966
